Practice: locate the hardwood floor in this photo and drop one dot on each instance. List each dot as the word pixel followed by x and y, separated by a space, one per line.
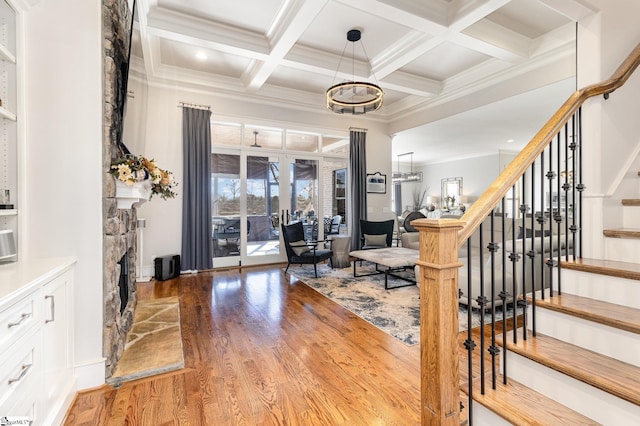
pixel 263 349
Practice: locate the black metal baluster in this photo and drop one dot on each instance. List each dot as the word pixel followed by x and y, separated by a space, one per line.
pixel 580 186
pixel 522 302
pixel 566 186
pixel 514 256
pixel 572 146
pixel 469 343
pixel 493 348
pixel 504 295
pixel 531 254
pixel 482 301
pixel 551 175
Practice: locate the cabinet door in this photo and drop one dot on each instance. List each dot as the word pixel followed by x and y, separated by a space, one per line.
pixel 56 353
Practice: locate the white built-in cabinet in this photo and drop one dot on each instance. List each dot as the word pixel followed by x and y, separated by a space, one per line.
pixel 36 336
pixel 8 118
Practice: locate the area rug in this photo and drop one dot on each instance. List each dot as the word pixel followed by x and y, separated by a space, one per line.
pixel 154 343
pixel 395 311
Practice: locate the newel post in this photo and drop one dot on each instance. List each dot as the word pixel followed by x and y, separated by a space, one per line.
pixel 440 381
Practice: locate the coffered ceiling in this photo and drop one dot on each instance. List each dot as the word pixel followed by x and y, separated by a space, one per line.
pixel 424 54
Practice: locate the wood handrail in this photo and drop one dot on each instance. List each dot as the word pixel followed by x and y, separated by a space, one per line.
pixel 489 199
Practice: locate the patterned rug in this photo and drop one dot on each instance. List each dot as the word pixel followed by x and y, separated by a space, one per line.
pixel 395 311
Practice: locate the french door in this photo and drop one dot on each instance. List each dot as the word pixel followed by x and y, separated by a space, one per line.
pixel 253 193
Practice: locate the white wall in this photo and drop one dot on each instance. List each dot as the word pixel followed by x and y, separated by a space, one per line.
pixel 62 213
pixel 611 129
pixel 162 234
pixel 605 40
pixel 476 173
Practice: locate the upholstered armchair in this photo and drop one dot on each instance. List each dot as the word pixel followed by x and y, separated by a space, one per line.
pixel 376 234
pixel 301 251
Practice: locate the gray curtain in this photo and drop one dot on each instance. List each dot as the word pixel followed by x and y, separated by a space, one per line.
pixel 397 195
pixel 197 252
pixel 358 163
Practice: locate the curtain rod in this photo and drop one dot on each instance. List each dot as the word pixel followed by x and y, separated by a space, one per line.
pixel 187 104
pixel 357 129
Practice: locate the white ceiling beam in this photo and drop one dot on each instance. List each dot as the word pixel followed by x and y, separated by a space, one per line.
pixel 486 47
pixel 495 40
pixel 462 14
pixel 150 45
pixel 207 34
pixel 565 35
pixel 313 61
pixel 572 9
pixel 405 50
pixel 411 84
pixel 428 16
pixel 291 22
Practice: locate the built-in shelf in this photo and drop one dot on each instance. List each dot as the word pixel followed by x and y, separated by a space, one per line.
pixel 6 55
pixel 12 212
pixel 6 114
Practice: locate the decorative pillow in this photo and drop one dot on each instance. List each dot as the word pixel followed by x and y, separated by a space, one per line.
pixel 299 247
pixel 375 240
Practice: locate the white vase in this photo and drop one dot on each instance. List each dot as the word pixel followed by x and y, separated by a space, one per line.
pixel 129 196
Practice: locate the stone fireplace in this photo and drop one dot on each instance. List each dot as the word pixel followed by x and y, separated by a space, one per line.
pixel 119 225
pixel 120 297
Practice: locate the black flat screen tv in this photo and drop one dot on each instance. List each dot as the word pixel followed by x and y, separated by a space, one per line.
pixel 122 57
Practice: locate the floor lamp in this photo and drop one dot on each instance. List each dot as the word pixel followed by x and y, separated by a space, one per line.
pixel 142 223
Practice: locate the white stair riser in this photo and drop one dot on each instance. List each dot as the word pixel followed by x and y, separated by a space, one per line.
pixel 609 341
pixel 630 217
pixel 585 399
pixel 482 416
pixel 620 291
pixel 622 249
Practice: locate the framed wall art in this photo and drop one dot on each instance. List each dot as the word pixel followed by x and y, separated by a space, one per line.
pixel 376 183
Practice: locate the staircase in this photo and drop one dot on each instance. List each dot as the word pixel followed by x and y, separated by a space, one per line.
pixel 583 365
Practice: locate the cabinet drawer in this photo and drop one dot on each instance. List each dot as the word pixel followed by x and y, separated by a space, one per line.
pixel 20 365
pixel 16 320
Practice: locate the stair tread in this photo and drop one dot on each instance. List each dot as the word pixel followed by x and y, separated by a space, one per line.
pixel 520 404
pixel 514 402
pixel 622 233
pixel 608 374
pixel 610 314
pixel 631 201
pixel 605 267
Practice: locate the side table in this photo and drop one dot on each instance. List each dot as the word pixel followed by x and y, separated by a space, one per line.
pixel 340 245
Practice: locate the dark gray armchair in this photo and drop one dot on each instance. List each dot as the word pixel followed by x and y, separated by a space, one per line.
pixel 376 234
pixel 301 251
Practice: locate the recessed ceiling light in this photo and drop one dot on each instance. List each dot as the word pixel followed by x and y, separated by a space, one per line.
pixel 201 55
pixel 510 140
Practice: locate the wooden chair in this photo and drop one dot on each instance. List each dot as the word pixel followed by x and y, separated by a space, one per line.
pixel 301 251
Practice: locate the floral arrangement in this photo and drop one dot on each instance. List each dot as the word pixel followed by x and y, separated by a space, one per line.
pixel 136 168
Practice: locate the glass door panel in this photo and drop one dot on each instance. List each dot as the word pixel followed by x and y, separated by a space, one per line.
pixel 304 204
pixel 335 195
pixel 263 205
pixel 225 208
pixel 252 197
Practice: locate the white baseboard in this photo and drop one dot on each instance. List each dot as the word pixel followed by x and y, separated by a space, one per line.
pixel 90 374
